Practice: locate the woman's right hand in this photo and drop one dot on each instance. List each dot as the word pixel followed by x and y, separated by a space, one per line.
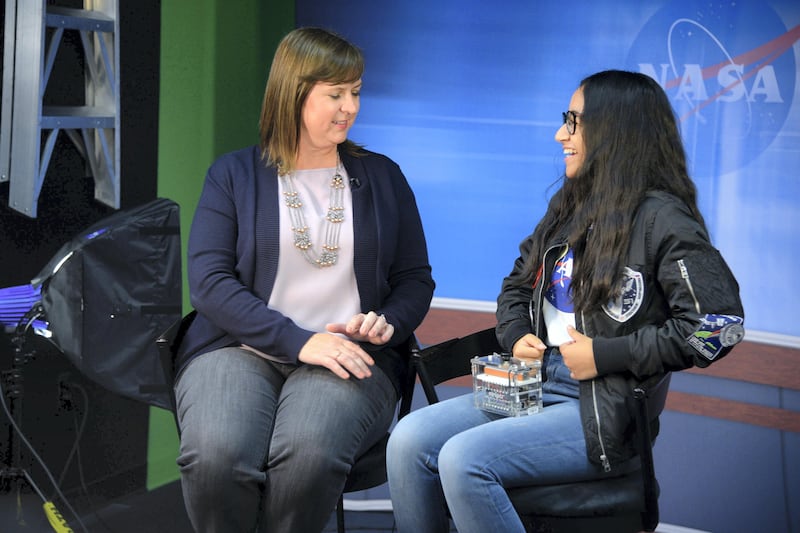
pixel 341 356
pixel 529 347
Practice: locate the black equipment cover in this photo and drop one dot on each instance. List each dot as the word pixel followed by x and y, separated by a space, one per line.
pixel 111 291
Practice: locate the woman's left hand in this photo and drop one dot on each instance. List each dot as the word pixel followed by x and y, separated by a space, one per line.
pixel 370 327
pixel 578 355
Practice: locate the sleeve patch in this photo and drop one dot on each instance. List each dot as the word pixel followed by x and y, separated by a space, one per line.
pixel 715 334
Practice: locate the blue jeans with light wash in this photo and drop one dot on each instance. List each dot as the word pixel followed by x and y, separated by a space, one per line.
pixel 267 446
pixel 453 455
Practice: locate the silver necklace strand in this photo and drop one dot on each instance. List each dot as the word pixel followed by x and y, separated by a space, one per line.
pixel 335 216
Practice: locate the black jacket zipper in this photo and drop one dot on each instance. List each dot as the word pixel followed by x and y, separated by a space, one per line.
pixel 685 276
pixel 603 456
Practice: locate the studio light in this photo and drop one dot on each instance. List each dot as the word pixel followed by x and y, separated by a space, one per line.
pixel 105 296
pixel 101 301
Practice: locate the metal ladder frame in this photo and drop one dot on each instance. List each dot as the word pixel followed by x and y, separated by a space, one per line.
pixel 94 128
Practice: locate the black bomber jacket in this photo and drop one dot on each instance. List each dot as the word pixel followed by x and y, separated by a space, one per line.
pixel 679 307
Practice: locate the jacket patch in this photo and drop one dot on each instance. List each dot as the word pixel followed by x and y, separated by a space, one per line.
pixel 630 299
pixel 716 333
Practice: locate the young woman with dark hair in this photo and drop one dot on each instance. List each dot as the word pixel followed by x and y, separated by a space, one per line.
pixel 618 283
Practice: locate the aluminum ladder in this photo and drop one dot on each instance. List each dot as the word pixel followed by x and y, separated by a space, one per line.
pixel 28 128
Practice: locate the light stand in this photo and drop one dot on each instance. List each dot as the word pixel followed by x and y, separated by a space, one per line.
pixel 12 384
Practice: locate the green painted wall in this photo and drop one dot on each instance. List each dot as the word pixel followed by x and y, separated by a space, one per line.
pixel 215 57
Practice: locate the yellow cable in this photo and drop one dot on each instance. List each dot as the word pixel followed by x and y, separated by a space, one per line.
pixel 56 520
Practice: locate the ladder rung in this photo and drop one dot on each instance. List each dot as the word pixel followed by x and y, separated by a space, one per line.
pixel 78 19
pixel 63 117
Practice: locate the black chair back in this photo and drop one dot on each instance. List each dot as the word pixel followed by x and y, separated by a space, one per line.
pixel 167 344
pixel 451 359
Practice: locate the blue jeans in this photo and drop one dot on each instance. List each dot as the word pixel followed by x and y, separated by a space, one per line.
pixel 267 446
pixel 453 455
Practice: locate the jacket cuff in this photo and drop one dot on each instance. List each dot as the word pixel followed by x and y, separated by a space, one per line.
pixel 610 355
pixel 514 332
pixel 294 342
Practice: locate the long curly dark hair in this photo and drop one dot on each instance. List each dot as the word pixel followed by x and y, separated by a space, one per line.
pixel 632 146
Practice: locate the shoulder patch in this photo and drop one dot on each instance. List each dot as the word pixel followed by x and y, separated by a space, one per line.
pixel 630 299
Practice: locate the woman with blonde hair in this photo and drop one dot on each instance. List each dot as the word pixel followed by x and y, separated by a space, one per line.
pixel 309 271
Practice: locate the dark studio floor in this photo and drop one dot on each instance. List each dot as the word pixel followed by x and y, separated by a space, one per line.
pixel 159 511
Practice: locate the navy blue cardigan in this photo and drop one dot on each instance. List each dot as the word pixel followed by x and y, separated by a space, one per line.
pixel 233 255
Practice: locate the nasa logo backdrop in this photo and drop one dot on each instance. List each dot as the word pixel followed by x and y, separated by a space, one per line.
pixel 732 89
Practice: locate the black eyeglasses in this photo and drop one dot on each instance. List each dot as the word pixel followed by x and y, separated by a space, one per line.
pixel 570 118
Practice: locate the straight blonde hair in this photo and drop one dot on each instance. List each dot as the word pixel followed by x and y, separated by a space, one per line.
pixel 304 57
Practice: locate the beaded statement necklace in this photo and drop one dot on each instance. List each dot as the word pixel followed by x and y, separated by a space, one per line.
pixel 333 220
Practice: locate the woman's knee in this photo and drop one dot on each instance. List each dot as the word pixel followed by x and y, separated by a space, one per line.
pixel 310 461
pixel 219 461
pixel 407 439
pixel 458 459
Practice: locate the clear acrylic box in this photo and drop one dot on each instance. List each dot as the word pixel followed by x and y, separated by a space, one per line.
pixel 507 386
